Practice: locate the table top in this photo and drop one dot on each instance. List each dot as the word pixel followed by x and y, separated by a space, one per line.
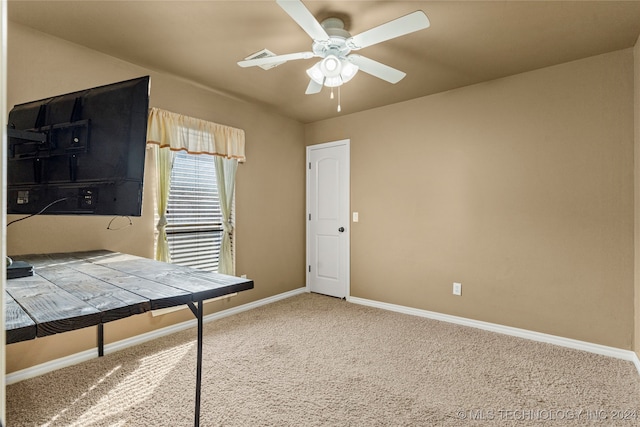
pixel 75 290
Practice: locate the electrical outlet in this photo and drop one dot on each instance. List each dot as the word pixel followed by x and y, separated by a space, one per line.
pixel 457 288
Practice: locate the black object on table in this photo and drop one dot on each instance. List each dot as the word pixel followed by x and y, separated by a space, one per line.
pixel 19 269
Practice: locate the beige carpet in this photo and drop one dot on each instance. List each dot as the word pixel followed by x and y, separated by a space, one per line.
pixel 313 360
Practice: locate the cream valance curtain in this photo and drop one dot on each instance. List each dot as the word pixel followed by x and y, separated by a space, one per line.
pixel 178 132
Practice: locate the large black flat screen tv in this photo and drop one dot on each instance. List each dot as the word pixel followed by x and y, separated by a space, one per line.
pixel 81 153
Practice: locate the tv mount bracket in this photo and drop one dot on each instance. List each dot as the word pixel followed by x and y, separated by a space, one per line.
pixel 44 142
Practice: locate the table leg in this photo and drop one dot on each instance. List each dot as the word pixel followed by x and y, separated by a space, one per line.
pixel 197 311
pixel 100 340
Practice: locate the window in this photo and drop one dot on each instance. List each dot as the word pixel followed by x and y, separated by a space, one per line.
pixel 194 217
pixel 201 230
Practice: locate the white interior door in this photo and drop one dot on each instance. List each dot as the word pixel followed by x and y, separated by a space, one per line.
pixel 328 227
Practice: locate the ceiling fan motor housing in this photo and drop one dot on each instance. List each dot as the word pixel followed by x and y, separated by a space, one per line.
pixel 336 45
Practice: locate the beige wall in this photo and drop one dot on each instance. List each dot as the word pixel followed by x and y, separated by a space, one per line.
pixel 269 191
pixel 519 188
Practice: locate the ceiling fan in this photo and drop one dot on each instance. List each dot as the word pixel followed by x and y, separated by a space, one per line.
pixel 334 45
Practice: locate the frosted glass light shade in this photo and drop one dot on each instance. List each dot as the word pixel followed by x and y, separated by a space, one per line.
pixel 332 71
pixel 315 73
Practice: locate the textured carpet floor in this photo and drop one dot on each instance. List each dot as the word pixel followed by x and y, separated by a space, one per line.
pixel 313 360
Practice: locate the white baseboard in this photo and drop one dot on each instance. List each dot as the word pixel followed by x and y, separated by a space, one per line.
pixel 83 356
pixel 617 353
pixel 636 361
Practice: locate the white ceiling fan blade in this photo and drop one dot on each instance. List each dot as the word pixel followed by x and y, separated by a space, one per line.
pixel 275 59
pixel 299 12
pixel 314 87
pixel 398 27
pixel 377 69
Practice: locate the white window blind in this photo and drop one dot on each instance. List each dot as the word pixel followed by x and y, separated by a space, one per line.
pixel 194 230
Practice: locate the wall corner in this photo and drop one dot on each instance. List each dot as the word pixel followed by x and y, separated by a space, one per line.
pixel 636 121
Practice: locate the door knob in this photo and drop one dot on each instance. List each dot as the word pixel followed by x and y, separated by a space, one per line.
pixel 341 229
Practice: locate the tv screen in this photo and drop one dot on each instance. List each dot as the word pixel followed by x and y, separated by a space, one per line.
pixel 81 153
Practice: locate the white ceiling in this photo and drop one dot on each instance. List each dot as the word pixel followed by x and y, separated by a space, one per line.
pixel 468 42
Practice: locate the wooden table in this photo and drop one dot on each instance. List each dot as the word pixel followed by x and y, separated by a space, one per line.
pixel 77 290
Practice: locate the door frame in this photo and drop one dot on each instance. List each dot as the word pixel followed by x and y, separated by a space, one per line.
pixel 346 142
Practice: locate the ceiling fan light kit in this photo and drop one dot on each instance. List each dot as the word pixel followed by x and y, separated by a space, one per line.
pixel 332 71
pixel 334 44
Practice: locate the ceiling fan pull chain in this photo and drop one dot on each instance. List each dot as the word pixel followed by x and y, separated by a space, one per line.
pixel 331 97
pixel 338 98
